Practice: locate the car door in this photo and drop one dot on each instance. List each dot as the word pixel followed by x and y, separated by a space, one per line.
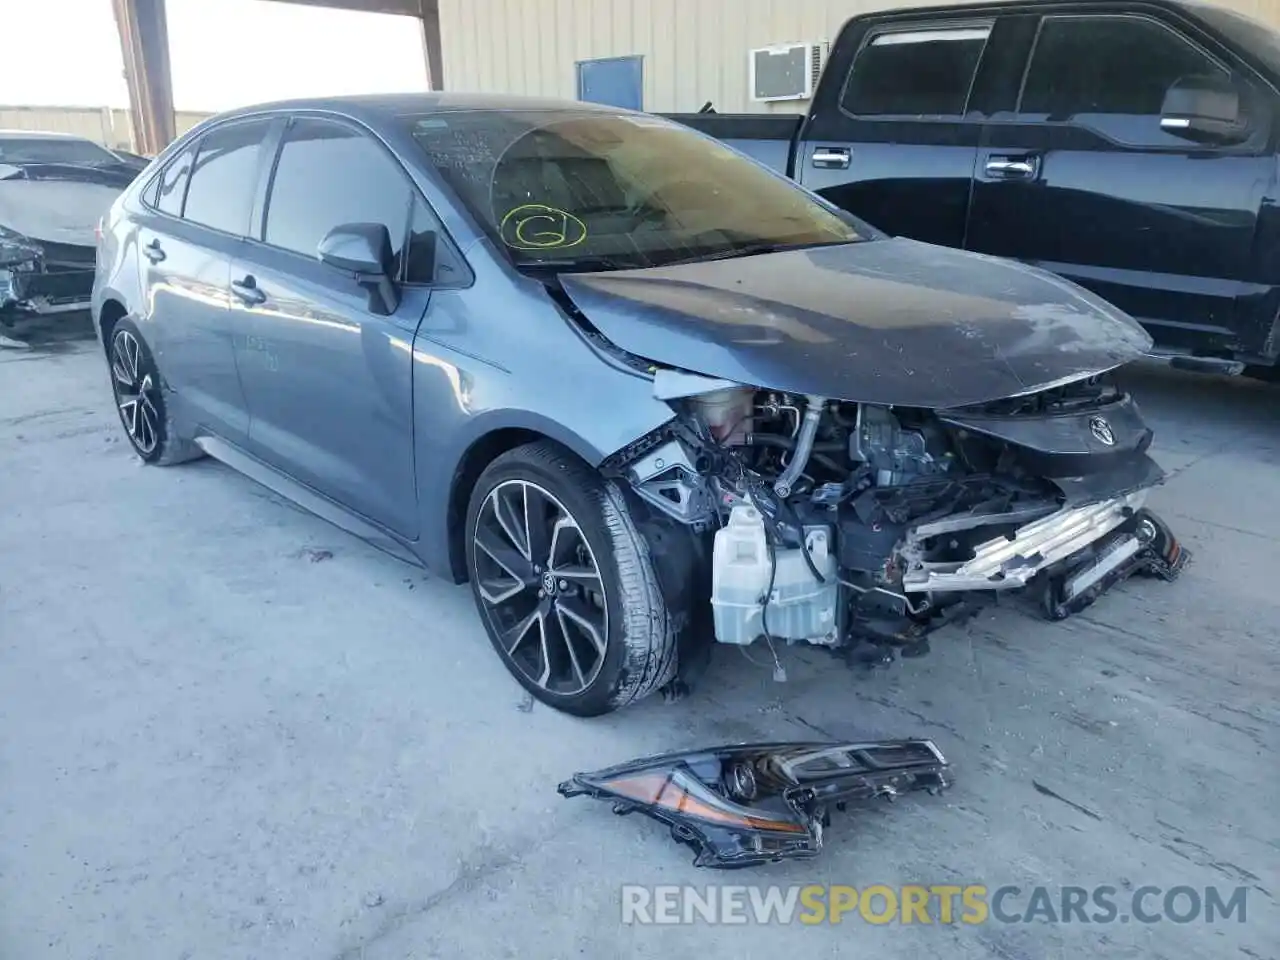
pixel 893 143
pixel 327 379
pixel 195 217
pixel 1078 175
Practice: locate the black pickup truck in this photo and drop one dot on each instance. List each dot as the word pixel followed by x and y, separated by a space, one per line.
pixel 1130 147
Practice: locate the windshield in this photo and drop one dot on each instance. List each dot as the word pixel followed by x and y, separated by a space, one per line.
pixel 598 189
pixel 1252 36
pixel 51 150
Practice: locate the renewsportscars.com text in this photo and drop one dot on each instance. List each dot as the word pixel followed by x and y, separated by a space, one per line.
pixel 928 904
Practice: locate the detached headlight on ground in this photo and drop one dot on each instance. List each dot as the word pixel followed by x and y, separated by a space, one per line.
pixel 756 803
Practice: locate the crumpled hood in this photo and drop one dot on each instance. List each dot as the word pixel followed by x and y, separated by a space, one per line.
pixel 886 321
pixel 55 211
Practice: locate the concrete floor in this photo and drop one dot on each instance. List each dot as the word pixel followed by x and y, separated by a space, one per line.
pixel 229 730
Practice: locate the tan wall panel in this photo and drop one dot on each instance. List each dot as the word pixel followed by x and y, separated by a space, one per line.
pixel 694 50
pixel 110 127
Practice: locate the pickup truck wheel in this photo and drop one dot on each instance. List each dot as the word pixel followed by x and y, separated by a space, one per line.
pixel 564 583
pixel 139 395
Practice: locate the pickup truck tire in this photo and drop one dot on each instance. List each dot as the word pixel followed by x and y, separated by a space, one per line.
pixel 565 584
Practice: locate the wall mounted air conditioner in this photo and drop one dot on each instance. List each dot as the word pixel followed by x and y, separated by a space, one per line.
pixel 787 71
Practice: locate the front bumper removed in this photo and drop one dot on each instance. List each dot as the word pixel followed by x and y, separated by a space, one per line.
pixel 1084 549
pixel 33 294
pixel 1006 563
pixel 1143 544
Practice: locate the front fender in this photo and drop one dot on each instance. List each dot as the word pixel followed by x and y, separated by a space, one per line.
pixel 466 412
pixel 443 481
pixel 497 364
pixel 592 449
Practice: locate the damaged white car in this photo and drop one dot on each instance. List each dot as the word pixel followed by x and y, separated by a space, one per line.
pixel 54 188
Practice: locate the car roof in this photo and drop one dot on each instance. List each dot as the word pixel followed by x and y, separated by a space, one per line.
pixel 1023 6
pixel 42 135
pixel 410 104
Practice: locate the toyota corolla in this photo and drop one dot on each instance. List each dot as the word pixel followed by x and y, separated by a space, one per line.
pixel 641 392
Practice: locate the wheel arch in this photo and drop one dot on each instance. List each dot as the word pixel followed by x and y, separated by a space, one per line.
pixel 110 313
pixel 477 456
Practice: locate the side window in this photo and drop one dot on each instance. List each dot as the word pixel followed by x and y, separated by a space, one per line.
pixel 171 187
pixel 328 175
pixel 1110 74
pixel 914 73
pixel 222 183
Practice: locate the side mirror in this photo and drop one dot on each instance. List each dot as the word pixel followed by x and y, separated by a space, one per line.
pixel 364 249
pixel 1204 110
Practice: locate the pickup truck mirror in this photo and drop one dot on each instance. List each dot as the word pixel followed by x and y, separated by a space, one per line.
pixel 1204 110
pixel 365 250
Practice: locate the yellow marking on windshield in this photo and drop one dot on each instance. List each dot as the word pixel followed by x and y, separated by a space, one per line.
pixel 535 226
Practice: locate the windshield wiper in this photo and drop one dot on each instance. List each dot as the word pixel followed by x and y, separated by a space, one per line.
pixel 585 264
pixel 596 262
pixel 755 249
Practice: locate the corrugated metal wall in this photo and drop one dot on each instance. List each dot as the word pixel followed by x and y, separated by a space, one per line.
pixel 105 125
pixel 694 50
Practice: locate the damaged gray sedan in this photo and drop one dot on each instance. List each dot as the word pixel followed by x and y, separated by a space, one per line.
pixel 641 392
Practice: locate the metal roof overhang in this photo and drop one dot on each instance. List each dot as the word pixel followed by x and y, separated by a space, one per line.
pixel 144 41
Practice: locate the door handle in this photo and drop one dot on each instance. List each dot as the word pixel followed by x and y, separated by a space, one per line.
pixel 153 251
pixel 1013 168
pixel 836 158
pixel 247 291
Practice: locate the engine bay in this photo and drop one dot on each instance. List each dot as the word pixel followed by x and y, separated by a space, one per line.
pixel 832 522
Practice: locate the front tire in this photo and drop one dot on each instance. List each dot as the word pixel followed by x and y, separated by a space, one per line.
pixel 564 583
pixel 139 395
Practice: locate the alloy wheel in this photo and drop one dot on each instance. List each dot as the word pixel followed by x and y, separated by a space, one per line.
pixel 540 587
pixel 136 392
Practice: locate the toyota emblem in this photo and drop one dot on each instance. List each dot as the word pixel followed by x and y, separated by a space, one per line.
pixel 1102 431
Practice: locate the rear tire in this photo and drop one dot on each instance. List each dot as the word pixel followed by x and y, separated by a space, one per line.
pixel 565 584
pixel 139 392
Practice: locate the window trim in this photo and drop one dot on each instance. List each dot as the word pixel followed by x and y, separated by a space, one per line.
pixel 917 26
pixel 1017 116
pixel 152 187
pixel 197 139
pixel 259 224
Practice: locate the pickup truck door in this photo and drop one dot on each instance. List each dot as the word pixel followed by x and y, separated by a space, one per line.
pixel 1076 174
pixel 889 138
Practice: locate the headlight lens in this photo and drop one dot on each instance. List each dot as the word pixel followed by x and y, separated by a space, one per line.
pixel 676 790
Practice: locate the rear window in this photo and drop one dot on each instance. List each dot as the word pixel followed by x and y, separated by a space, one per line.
pixel 915 73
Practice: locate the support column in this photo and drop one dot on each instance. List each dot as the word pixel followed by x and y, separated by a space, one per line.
pixel 144 42
pixel 430 15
